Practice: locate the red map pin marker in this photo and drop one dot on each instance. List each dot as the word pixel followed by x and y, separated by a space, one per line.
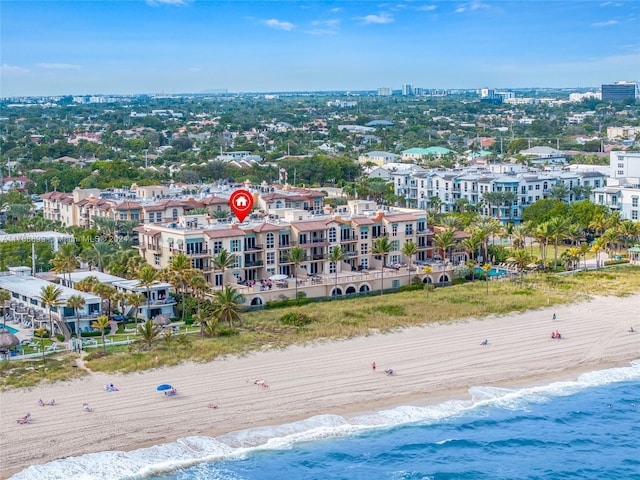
pixel 241 202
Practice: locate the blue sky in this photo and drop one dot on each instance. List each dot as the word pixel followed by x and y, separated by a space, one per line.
pixel 60 47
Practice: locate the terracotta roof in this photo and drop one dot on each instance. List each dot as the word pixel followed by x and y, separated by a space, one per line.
pixel 401 217
pixel 269 227
pixel 310 226
pixel 214 201
pixel 224 233
pixel 128 205
pixel 362 221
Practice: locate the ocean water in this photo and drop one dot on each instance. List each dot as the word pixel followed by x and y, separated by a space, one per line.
pixel 583 429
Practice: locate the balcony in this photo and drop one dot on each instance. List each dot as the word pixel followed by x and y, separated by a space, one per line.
pixel 352 253
pixel 254 247
pixel 285 245
pixel 352 238
pixel 319 256
pixel 255 263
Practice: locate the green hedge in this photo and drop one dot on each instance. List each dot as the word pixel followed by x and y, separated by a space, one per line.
pixel 288 303
pixel 411 288
pixel 616 262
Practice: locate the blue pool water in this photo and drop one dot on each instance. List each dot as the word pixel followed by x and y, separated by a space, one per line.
pixel 586 429
pixel 493 272
pixel 12 330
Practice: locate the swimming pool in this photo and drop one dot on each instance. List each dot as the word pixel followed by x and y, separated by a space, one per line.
pixel 12 330
pixel 493 272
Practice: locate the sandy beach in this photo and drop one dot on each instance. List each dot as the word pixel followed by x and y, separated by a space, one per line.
pixel 430 363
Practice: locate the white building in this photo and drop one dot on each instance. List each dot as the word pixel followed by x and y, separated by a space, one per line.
pixel 624 164
pixel 621 194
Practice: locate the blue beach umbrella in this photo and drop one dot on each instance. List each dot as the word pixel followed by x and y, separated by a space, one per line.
pixel 164 386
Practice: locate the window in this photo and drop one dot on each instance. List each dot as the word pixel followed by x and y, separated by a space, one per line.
pixel 174 214
pixel 123 216
pixel 394 230
pixel 364 234
pixel 158 217
pixel 634 214
pixel 538 187
pixel 530 187
pixel 156 259
pixel 135 216
pixel 151 217
pixel 332 235
pixel 395 284
pixel 284 239
pixel 332 267
pixel 302 238
pixel 217 246
pixel 218 280
pixel 634 202
pixel 408 229
pixel 235 245
pixel 270 240
pixel 364 248
pixel 271 258
pixel 395 245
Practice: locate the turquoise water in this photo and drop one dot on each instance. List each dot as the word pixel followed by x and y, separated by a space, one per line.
pixel 493 272
pixel 586 429
pixel 12 330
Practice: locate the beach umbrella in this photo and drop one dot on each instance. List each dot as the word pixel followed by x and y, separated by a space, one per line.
pixel 8 339
pixel 278 277
pixel 163 387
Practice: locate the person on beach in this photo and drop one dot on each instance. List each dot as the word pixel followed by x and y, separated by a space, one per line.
pixel 631 330
pixel 485 342
pixel 554 316
pixel 373 367
pixel 86 407
pixel 553 334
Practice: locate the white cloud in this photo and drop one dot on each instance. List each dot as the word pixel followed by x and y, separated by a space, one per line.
pixel 326 23
pixel 475 5
pixel 273 23
pixel 58 66
pixel 335 10
pixel 379 19
pixel 180 3
pixel 12 70
pixel 608 23
pixel 427 8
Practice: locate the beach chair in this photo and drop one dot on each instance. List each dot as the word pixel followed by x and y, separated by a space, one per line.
pixel 52 348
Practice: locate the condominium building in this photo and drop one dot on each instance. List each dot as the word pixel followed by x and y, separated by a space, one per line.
pixel 621 195
pixel 624 164
pixel 446 188
pixel 261 248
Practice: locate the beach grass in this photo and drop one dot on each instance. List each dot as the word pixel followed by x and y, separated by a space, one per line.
pixel 360 316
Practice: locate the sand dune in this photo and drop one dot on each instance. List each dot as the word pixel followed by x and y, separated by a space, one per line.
pixel 430 363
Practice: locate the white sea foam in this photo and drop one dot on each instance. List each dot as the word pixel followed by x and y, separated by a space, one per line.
pixel 193 450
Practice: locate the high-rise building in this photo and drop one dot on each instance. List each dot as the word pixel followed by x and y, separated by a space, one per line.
pixel 620 92
pixel 384 92
pixel 407 90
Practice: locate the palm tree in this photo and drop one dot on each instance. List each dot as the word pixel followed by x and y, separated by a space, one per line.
pixel 135 300
pixel 486 267
pixel 296 255
pixel 596 247
pixel 97 254
pixel 520 259
pixel 147 277
pixel 65 260
pixel 149 332
pixel 409 249
pixel 559 228
pixel 76 302
pixel 543 235
pixel 223 260
pixel 559 191
pixel 102 323
pixel 39 332
pixel 5 296
pixel 50 297
pixel 444 241
pixel 336 255
pixel 226 305
pixel 87 284
pixel 492 199
pixel 179 268
pixel 584 249
pixel 381 247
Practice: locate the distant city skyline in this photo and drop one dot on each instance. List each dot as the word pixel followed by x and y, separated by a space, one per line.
pixel 191 46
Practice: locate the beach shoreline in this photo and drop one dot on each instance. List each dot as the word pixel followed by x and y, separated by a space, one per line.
pixel 432 364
